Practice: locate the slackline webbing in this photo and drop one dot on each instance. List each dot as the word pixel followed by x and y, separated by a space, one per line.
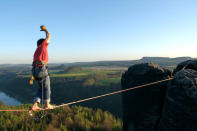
pixel 112 93
pixel 15 110
pixel 108 94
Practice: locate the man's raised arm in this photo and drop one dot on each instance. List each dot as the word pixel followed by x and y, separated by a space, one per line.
pixel 48 36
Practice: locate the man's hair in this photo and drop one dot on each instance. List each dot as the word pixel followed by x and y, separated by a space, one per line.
pixel 39 42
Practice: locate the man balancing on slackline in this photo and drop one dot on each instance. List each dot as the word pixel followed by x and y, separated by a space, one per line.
pixel 40 72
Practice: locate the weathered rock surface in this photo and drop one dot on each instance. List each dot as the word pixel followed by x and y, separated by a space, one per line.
pixel 189 64
pixel 180 106
pixel 142 107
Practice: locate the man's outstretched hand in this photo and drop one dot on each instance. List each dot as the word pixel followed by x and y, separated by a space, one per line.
pixel 43 28
pixel 48 36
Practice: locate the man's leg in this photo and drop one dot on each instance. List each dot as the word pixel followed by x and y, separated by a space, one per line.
pixel 47 93
pixel 37 98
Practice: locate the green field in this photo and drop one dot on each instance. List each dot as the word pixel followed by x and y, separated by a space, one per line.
pixel 69 75
pixel 101 76
pixel 108 81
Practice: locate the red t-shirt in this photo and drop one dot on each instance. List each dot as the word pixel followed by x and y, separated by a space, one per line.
pixel 41 53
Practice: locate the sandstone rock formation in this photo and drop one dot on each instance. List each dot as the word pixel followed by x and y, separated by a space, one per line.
pixel 168 106
pixel 180 106
pixel 142 107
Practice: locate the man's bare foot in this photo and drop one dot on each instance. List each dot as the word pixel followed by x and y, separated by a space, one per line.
pixel 35 107
pixel 49 106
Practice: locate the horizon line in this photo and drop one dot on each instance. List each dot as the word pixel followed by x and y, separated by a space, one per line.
pixel 99 60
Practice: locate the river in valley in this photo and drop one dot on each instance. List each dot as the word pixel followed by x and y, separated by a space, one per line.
pixel 7 100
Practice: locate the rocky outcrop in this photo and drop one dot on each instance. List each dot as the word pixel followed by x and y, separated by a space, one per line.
pixel 180 106
pixel 142 107
pixel 190 64
pixel 168 106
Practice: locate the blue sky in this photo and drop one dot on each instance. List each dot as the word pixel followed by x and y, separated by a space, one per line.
pixel 93 30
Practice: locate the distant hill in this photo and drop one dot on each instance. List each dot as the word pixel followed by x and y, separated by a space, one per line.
pixel 58 67
pixel 164 59
pixel 161 61
pixel 73 69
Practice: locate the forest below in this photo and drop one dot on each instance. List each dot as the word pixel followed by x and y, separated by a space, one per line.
pixel 75 118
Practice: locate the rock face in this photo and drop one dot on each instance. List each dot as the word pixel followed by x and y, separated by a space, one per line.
pixel 180 106
pixel 142 107
pixel 168 106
